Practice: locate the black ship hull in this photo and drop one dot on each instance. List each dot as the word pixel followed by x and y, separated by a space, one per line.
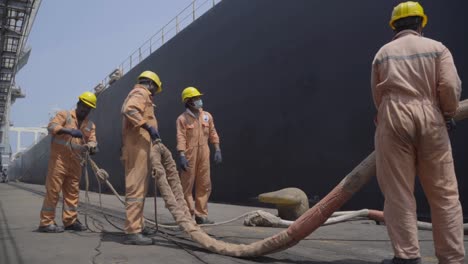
pixel 288 84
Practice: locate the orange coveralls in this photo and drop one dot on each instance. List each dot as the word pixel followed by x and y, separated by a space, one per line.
pixel 415 85
pixel 193 135
pixel 136 110
pixel 64 171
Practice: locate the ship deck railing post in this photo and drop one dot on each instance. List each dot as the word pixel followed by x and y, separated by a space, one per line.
pixel 162 36
pixel 193 10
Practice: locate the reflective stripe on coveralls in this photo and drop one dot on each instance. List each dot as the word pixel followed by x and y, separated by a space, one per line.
pixel 136 110
pixel 193 135
pixel 415 85
pixel 67 144
pixel 64 169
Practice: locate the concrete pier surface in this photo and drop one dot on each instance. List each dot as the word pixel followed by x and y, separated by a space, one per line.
pixel 357 242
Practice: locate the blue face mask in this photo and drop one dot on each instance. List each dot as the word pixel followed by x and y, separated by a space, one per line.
pixel 198 104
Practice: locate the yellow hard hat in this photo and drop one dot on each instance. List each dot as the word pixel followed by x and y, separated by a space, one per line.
pixel 190 92
pixel 408 9
pixel 89 99
pixel 154 77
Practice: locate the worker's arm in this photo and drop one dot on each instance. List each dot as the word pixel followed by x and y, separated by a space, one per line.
pixel 181 135
pixel 217 147
pixel 182 142
pixel 376 94
pixel 92 134
pixel 55 126
pixel 91 145
pixel 213 135
pixel 449 85
pixel 134 107
pixel 214 139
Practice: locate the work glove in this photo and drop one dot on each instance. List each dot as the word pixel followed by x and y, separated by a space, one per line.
pixel 154 134
pixel 450 124
pixel 218 158
pixel 76 133
pixel 184 163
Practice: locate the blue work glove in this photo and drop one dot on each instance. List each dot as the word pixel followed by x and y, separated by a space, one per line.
pixel 154 134
pixel 184 163
pixel 218 158
pixel 450 124
pixel 76 133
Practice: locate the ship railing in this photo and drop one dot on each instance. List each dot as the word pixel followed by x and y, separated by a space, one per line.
pixel 188 15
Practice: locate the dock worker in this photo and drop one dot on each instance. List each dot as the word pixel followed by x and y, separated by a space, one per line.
pixel 416 90
pixel 72 134
pixel 195 128
pixel 139 130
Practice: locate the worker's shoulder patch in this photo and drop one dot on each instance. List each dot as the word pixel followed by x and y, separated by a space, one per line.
pixel 206 117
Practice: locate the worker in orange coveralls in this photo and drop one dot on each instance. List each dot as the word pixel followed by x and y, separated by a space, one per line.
pixel 72 134
pixel 139 130
pixel 195 128
pixel 416 90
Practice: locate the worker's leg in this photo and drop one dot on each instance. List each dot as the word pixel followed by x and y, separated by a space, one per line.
pixel 395 160
pixel 71 191
pixel 202 182
pixel 187 178
pixel 135 155
pixel 437 175
pixel 54 180
pixel 172 174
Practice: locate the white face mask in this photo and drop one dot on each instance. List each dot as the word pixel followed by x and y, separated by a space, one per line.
pixel 198 104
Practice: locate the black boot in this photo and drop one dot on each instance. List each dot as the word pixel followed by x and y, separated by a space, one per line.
pixel 76 226
pixel 203 220
pixel 148 231
pixel 53 228
pixel 137 239
pixel 396 260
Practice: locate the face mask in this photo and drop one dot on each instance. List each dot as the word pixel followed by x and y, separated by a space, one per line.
pixel 198 104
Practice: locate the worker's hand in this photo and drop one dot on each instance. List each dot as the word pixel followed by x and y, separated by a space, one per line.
pixel 76 133
pixel 218 158
pixel 184 165
pixel 102 175
pixel 154 134
pixel 92 148
pixel 450 124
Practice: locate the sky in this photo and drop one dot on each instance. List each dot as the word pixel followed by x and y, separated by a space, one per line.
pixel 75 45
